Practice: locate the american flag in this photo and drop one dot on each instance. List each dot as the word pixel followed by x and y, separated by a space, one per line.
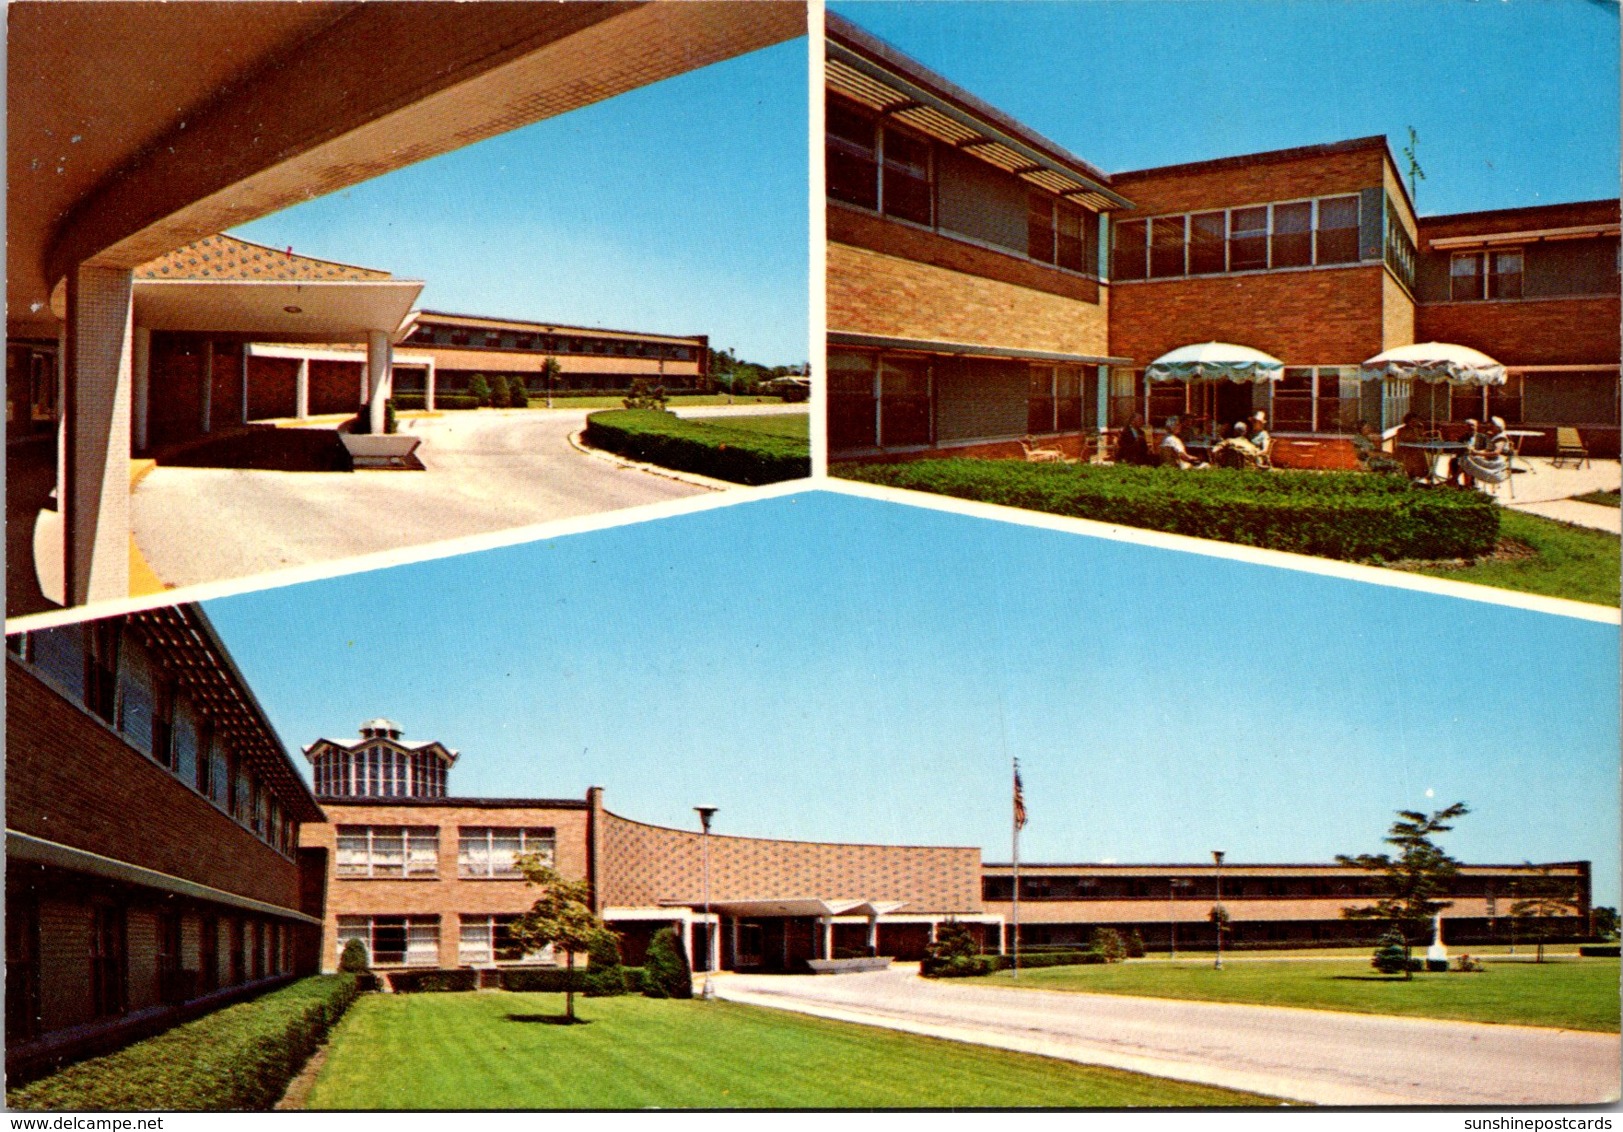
pixel 1019 799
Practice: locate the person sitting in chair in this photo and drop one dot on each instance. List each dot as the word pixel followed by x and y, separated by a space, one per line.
pixel 1173 452
pixel 1485 457
pixel 1261 438
pixel 1132 446
pixel 1237 450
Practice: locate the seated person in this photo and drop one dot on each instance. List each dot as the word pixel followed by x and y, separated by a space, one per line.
pixel 1173 452
pixel 1132 446
pixel 1367 443
pixel 1416 463
pixel 1261 438
pixel 1485 457
pixel 1237 450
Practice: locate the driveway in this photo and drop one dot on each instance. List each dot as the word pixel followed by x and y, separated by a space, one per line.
pixel 486 471
pixel 1304 1055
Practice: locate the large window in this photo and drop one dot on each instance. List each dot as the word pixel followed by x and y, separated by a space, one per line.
pixel 394 941
pixel 1292 244
pixel 1248 239
pixel 1337 240
pixel 388 851
pixel 489 939
pixel 109 961
pixel 857 148
pixel 907 191
pixel 1129 251
pixel 904 401
pixel 1057 233
pixel 1254 238
pixel 1055 401
pixel 493 851
pixel 1166 246
pixel 1208 232
pixel 853 420
pixel 1485 275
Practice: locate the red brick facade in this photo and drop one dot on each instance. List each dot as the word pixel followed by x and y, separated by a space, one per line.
pixel 1528 332
pixel 1253 179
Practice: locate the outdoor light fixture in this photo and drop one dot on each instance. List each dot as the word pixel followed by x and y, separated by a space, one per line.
pixel 1217 922
pixel 709 992
pixel 293 310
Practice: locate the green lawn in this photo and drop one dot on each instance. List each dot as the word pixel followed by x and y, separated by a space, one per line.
pixel 1603 498
pixel 794 426
pixel 617 401
pixel 1571 994
pixel 1566 561
pixel 498 1050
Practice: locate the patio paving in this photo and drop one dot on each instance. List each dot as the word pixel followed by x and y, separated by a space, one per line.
pixel 1549 491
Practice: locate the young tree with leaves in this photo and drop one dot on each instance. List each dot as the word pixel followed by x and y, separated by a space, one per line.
pixel 1545 896
pixel 1414 878
pixel 562 918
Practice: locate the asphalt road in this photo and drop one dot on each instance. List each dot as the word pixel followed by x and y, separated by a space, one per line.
pixel 1303 1055
pixel 486 471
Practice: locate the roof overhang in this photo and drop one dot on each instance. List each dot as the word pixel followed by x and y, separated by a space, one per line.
pixel 968 349
pixel 1530 236
pixel 319 311
pixel 794 907
pixel 961 121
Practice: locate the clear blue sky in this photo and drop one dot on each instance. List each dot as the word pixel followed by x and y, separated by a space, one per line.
pixel 822 666
pixel 677 208
pixel 1516 103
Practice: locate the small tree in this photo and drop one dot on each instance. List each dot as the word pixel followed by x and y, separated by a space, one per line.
pixel 955 950
pixel 645 394
pixel 1135 945
pixel 498 392
pixel 605 977
pixel 1414 878
pixel 479 389
pixel 518 396
pixel 1392 954
pixel 1603 921
pixel 354 960
pixel 1547 896
pixel 549 377
pixel 1108 943
pixel 666 973
pixel 1219 916
pixel 562 918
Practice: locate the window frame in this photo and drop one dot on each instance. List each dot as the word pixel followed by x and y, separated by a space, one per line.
pixel 468 840
pixel 1142 242
pixel 412 845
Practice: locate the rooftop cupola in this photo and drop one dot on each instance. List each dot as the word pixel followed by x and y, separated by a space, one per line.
pixel 382 763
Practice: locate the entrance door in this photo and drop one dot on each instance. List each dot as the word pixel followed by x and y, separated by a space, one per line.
pixel 750 943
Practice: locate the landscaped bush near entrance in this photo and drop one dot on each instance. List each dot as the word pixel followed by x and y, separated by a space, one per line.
pixel 1347 515
pixel 556 980
pixel 409 982
pixel 708 448
pixel 667 972
pixel 239 1058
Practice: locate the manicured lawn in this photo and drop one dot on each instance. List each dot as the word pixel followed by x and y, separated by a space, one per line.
pixel 616 401
pixel 1566 561
pixel 1603 498
pixel 1570 994
pixel 791 425
pixel 498 1050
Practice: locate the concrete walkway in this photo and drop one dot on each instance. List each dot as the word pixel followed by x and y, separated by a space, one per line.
pixel 1548 491
pixel 1304 1055
pixel 486 471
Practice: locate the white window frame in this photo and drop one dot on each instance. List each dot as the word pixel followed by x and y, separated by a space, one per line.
pixel 476 942
pixel 483 838
pixel 422 938
pixel 1228 212
pixel 416 859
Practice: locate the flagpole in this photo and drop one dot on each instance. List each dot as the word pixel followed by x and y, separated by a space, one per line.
pixel 1015 853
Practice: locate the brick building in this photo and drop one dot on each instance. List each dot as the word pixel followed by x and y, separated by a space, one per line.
pixel 1270 905
pixel 984 285
pixel 152 829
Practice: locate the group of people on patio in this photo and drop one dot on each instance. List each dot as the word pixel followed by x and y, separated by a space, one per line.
pixel 1246 446
pixel 1481 455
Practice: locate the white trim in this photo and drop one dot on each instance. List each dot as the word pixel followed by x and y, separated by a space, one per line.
pixel 328 354
pixel 1449 243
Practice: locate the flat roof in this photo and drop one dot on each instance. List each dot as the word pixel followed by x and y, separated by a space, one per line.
pixel 449 803
pixel 1264 157
pixel 1207 866
pixel 486 322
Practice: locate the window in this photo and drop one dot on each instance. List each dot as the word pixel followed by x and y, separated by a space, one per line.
pixel 184 743
pixel 1293 400
pixel 1127 260
pixel 1055 400
pixel 1207 232
pixel 493 851
pixel 208 954
pixel 1248 238
pixel 167 959
pixel 1400 250
pixel 242 795
pixel 1040 227
pixel 109 961
pixel 907 191
pixel 1292 244
pixel 904 401
pixel 1338 230
pixel 137 701
pixel 1465 277
pixel 1040 400
pixel 489 939
pixel 1489 275
pixel 851 163
pixel 852 404
pixel 23 995
pixel 393 941
pixel 101 669
pixel 220 773
pixel 388 851
pixel 1166 246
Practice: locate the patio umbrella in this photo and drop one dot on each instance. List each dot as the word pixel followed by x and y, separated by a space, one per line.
pixel 1435 363
pixel 1212 361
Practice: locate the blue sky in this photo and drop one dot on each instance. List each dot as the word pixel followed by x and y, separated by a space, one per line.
pixel 1515 103
pixel 677 208
pixel 822 666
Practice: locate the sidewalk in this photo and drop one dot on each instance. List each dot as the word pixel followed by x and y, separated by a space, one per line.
pixel 1548 491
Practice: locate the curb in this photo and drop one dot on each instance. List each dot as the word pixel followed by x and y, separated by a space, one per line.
pixel 577 441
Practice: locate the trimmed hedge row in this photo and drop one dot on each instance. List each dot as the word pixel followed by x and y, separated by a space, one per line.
pixel 239 1058
pixel 416 982
pixel 1346 515
pixel 1598 950
pixel 969 966
pixel 556 980
pixel 708 448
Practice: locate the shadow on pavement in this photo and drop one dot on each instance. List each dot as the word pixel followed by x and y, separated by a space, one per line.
pixel 264 448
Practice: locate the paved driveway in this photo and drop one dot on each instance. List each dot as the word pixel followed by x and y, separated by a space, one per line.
pixel 1306 1055
pixel 487 471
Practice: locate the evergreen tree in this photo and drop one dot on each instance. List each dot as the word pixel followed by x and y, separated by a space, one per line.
pixel 666 973
pixel 1414 878
pixel 498 392
pixel 479 389
pixel 1392 954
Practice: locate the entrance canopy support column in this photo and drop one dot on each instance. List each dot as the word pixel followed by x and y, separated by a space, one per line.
pixel 828 937
pixel 95 486
pixel 143 386
pixel 377 377
pixel 207 399
pixel 301 390
pixel 428 386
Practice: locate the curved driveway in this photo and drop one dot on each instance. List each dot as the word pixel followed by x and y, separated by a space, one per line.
pixel 487 471
pixel 1304 1055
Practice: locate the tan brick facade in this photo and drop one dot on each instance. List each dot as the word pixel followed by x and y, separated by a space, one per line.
pixel 1255 179
pixel 646 865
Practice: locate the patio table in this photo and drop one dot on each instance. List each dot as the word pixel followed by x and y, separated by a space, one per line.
pixel 1433 449
pixel 1517 435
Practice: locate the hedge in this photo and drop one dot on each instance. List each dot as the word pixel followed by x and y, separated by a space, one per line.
pixel 555 980
pixel 238 1058
pixel 968 966
pixel 707 447
pixel 412 982
pixel 1598 950
pixel 1348 515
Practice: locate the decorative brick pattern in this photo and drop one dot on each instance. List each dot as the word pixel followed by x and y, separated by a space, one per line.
pixel 645 865
pixel 226 257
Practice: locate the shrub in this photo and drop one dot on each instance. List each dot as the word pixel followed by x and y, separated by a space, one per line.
pixel 1347 515
pixel 1034 959
pixel 1466 964
pixel 1391 957
pixel 499 396
pixel 645 394
pixel 958 966
pixel 479 389
pixel 354 960
pixel 1598 950
pixel 549 980
pixel 1135 945
pixel 411 982
pixel 405 401
pixel 391 424
pixel 455 401
pixel 668 972
pixel 708 448
pixel 1436 964
pixel 239 1058
pixel 1108 943
pixel 518 396
pixel 604 975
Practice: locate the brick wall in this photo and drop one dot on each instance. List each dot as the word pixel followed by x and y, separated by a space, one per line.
pixel 1243 181
pixel 1397 314
pixel 272 387
pixel 1529 331
pixel 1328 316
pixel 445 895
pixel 335 387
pixel 73 781
pixel 643 865
pixel 872 293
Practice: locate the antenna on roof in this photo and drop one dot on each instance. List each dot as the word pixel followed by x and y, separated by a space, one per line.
pixel 1415 172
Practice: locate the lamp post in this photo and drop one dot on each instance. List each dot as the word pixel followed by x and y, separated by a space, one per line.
pixel 709 992
pixel 1217 921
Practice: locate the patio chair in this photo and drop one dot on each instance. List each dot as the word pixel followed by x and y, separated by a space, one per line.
pixel 1041 454
pixel 1569 445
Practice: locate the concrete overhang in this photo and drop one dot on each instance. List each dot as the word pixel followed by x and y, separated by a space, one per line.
pixel 796 906
pixel 286 311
